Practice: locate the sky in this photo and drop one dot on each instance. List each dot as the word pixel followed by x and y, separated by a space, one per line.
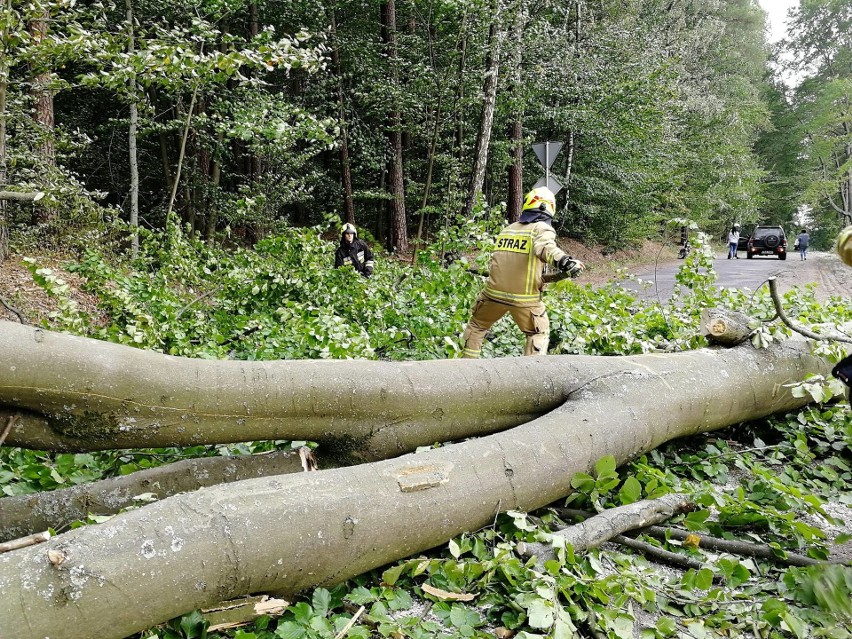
pixel 777 10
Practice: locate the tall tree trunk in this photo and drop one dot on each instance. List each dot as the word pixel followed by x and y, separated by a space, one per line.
pixel 292 532
pixel 398 239
pixel 215 181
pixel 516 127
pixel 515 197
pixel 428 186
pixel 571 142
pixel 131 141
pixel 43 115
pixel 489 100
pixel 4 84
pixel 345 168
pixel 254 30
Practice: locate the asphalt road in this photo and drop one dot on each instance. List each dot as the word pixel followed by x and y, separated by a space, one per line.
pixel 823 269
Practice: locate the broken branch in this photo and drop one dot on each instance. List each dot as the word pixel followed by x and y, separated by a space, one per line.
pixel 13 419
pixel 733 546
pixel 776 300
pixel 24 542
pixel 606 525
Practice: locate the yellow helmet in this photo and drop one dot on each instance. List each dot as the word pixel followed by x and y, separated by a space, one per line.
pixel 541 199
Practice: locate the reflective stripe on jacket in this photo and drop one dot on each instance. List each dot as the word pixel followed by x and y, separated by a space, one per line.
pixel 520 254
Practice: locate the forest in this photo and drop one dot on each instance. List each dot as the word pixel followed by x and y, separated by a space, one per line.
pixel 241 117
pixel 183 355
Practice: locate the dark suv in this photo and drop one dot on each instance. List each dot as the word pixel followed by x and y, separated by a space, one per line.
pixel 767 240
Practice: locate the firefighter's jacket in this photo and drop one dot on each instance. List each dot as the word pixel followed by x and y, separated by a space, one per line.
pixel 844 245
pixel 357 254
pixel 520 255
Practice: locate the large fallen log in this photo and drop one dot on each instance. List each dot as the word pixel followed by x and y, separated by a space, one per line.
pixel 78 394
pixel 288 533
pixel 26 514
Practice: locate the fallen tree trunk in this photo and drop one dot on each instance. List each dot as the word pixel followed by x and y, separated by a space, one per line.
pixel 288 533
pixel 78 394
pixel 24 514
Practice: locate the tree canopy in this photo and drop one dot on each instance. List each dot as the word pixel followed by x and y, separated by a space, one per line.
pixel 251 113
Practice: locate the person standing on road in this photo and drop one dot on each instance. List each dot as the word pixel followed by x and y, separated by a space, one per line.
pixel 802 242
pixel 733 241
pixel 515 277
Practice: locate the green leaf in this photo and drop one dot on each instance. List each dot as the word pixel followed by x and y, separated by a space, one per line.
pixel 361 596
pixel 320 602
pixel 666 626
pixel 605 466
pixel 391 575
pixel 540 613
pixel 704 579
pixel 695 520
pixel 631 491
pixel 455 551
pixel 302 612
pixel 290 630
pixel 582 482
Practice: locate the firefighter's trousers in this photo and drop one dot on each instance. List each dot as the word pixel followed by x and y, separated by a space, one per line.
pixel 532 320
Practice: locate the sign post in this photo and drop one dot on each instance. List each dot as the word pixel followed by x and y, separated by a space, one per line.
pixel 546 153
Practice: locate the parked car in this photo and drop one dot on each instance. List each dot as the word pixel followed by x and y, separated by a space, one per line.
pixel 767 240
pixel 742 244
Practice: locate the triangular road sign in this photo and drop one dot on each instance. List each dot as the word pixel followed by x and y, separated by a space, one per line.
pixel 546 152
pixel 551 182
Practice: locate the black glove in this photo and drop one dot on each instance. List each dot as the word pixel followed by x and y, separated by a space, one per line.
pixel 368 271
pixel 569 265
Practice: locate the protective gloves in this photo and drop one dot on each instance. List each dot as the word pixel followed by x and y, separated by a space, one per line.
pixel 569 265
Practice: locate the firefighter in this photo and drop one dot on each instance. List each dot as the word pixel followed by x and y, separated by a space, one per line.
pixel 354 252
pixel 843 369
pixel 515 277
pixel 844 245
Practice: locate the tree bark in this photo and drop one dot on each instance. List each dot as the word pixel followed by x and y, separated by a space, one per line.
pixel 131 140
pixel 288 533
pixel 385 409
pixel 82 394
pixel 398 240
pixel 733 546
pixel 486 120
pixel 515 196
pixel 17 196
pixel 345 167
pixel 4 85
pixel 25 514
pixel 43 113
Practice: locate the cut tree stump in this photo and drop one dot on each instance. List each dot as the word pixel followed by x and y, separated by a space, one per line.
pixel 724 327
